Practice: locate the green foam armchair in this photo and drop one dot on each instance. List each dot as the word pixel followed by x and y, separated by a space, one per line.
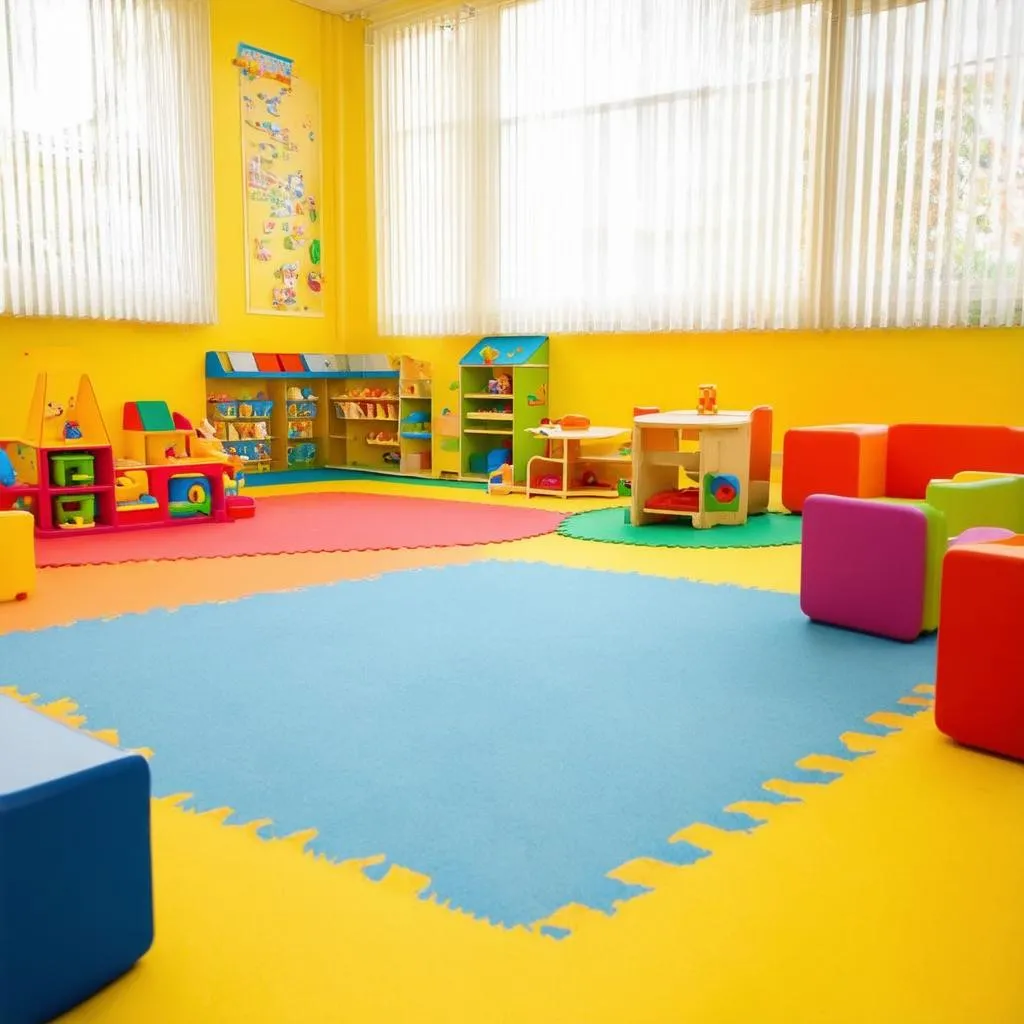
pixel 979 499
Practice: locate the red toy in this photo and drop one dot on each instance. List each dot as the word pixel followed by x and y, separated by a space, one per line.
pixel 685 500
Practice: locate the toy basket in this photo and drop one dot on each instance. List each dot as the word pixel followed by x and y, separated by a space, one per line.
pixel 299 430
pixel 253 451
pixel 262 408
pixel 304 410
pixel 302 456
pixel 225 410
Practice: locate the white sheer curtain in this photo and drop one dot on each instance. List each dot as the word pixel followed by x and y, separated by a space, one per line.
pixel 591 165
pixel 567 165
pixel 106 205
pixel 930 184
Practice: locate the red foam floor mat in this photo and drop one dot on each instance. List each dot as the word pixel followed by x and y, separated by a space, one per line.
pixel 309 522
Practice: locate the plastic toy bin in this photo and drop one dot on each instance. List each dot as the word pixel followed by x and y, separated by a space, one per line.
pixel 254 409
pixel 225 410
pixel 254 451
pixel 304 410
pixel 72 469
pixel 74 510
pixel 302 456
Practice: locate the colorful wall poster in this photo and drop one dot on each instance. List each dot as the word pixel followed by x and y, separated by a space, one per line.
pixel 283 176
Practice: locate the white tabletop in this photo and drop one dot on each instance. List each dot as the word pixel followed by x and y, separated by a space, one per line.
pixel 590 434
pixel 688 418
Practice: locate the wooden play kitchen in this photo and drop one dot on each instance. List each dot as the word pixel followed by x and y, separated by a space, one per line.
pixel 717 486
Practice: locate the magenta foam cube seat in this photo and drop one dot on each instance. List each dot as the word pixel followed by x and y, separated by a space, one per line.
pixel 864 565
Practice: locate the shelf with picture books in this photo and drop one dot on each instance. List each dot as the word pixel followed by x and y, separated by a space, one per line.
pixel 275 408
pixel 381 424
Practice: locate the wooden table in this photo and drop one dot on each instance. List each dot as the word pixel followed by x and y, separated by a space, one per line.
pixel 721 467
pixel 565 450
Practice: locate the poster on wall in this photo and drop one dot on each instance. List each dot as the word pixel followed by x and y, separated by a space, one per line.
pixel 281 155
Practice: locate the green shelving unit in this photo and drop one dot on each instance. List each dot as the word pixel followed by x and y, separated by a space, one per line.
pixel 503 382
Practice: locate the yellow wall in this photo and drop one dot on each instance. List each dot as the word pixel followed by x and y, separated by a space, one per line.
pixel 140 361
pixel 807 377
pixel 883 376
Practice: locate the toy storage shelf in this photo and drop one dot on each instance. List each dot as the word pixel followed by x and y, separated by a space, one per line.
pixel 363 423
pixel 504 388
pixel 368 413
pixel 219 366
pixel 299 430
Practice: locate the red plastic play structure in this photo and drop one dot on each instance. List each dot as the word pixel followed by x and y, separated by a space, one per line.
pixel 68 478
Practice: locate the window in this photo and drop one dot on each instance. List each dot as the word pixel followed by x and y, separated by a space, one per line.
pixel 930 193
pixel 588 165
pixel 105 160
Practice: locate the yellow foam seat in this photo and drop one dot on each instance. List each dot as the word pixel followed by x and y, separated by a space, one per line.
pixel 18 564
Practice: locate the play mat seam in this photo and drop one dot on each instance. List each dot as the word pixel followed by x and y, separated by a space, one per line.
pixel 377 574
pixel 566 921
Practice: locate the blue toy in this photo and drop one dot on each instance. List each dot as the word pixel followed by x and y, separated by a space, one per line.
pixel 76 895
pixel 7 474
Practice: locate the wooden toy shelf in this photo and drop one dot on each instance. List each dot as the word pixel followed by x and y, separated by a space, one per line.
pixel 504 388
pixel 371 413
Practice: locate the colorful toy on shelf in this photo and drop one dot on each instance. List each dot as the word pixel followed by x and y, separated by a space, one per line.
pixel 500 481
pixel 721 492
pixel 707 399
pixel 302 455
pixel 75 511
pixel 686 499
pixel 72 469
pixel 7 474
pixel 416 426
pixel 131 490
pixel 152 436
pixel 188 495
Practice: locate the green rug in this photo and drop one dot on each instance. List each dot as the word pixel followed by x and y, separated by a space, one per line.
pixel 609 526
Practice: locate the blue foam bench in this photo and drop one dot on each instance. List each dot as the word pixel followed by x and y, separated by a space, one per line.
pixel 76 892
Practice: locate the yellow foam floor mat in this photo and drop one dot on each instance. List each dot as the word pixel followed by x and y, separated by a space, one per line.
pixel 893 894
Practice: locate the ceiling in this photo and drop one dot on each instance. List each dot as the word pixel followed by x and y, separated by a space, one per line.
pixel 376 10
pixel 349 7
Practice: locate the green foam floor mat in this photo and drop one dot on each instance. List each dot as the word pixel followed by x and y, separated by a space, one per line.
pixel 610 526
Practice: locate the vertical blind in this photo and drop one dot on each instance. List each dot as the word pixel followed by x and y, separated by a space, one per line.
pixel 929 195
pixel 106 207
pixel 593 165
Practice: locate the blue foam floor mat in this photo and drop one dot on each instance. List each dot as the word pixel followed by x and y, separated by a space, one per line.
pixel 513 731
